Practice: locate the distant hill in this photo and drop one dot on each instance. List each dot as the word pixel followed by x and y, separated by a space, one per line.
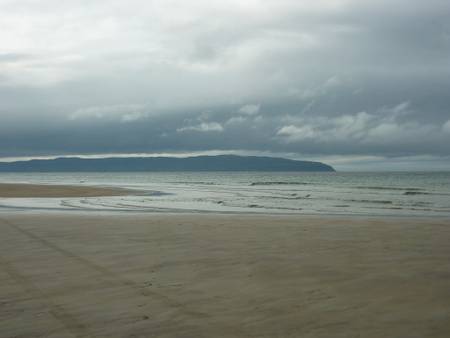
pixel 198 163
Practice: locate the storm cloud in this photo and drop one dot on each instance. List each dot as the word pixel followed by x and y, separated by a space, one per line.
pixel 345 81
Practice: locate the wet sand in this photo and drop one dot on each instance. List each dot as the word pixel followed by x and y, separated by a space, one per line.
pixel 41 190
pixel 154 275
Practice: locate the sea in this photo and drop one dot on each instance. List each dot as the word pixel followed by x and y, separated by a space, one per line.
pixel 331 193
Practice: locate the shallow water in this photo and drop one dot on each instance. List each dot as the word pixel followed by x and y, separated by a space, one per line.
pixel 390 193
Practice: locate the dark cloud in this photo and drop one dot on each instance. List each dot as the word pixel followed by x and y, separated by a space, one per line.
pixel 340 79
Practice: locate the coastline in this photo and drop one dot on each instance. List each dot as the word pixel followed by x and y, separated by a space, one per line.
pixel 213 275
pixel 412 195
pixel 117 199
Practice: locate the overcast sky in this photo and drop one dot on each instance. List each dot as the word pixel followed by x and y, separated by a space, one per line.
pixel 357 84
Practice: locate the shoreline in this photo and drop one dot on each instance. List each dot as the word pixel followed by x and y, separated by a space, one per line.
pixel 32 211
pixel 43 198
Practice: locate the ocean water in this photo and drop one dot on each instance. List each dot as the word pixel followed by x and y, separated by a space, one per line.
pixel 389 193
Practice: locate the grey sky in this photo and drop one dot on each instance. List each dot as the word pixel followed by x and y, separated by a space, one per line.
pixel 359 84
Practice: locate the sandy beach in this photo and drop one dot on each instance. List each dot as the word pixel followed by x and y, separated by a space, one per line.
pixel 224 169
pixel 162 275
pixel 41 190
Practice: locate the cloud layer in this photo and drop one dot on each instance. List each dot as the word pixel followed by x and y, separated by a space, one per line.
pixel 323 78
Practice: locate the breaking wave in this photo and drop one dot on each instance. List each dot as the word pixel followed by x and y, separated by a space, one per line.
pixel 281 183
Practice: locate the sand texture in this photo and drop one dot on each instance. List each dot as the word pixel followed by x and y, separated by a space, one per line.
pixel 223 276
pixel 38 190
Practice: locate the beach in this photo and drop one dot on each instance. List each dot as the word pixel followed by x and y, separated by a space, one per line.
pixel 18 190
pixel 224 169
pixel 212 275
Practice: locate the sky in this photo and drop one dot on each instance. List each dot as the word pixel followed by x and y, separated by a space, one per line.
pixel 360 85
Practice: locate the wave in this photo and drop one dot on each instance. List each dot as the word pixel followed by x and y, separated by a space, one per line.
pixel 425 193
pixel 290 197
pixel 371 201
pixel 194 182
pixel 407 193
pixel 281 183
pixel 387 188
pixel 253 206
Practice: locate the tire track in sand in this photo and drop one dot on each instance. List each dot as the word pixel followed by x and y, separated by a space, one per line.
pixel 115 277
pixel 68 321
